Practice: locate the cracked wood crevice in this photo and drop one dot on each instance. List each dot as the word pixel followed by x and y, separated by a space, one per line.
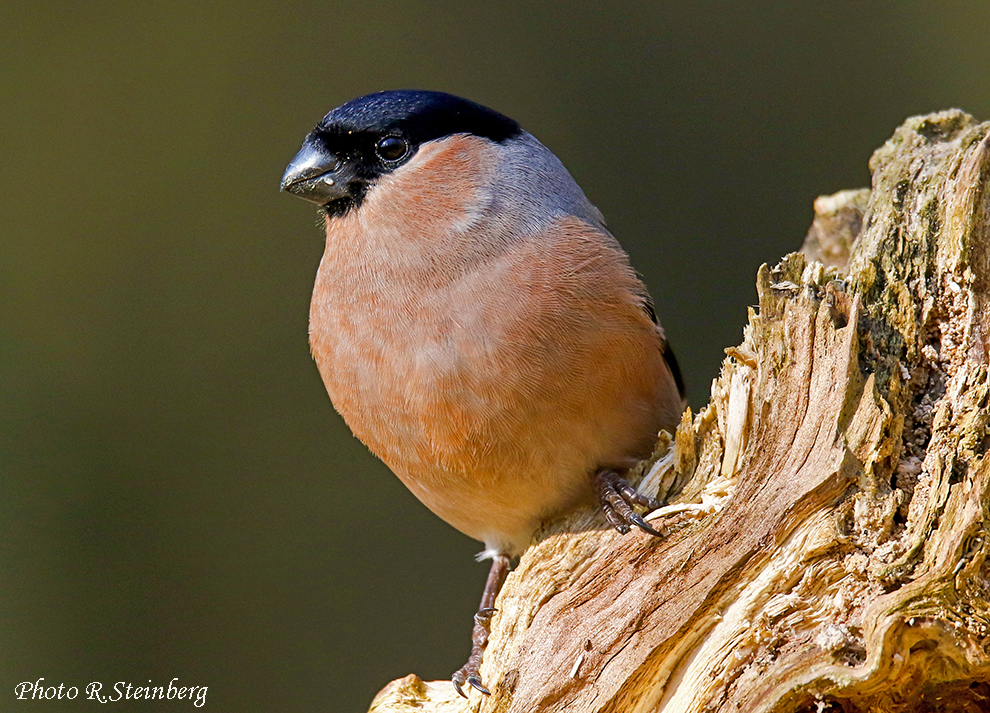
pixel 827 547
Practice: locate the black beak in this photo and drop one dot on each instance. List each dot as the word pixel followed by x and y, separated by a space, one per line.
pixel 318 175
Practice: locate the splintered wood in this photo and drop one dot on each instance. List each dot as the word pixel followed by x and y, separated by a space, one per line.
pixel 826 544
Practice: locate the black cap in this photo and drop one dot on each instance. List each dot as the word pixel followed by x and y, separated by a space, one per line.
pixel 372 135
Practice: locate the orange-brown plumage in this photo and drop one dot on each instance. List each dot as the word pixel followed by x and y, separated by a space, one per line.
pixel 493 377
pixel 475 323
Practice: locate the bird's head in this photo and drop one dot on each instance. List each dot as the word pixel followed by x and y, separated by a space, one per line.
pixel 367 138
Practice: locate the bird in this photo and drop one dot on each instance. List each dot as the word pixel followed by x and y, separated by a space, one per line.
pixel 477 326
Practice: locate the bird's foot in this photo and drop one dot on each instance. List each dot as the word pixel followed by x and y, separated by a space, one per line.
pixel 469 672
pixel 617 498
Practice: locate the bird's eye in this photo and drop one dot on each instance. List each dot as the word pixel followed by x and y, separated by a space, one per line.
pixel 391 148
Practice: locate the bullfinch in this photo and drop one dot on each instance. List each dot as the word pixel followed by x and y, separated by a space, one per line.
pixel 477 326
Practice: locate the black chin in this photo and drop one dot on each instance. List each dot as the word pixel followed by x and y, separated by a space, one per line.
pixel 339 207
pixel 342 206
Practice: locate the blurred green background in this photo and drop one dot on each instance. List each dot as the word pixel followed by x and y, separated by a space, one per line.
pixel 177 496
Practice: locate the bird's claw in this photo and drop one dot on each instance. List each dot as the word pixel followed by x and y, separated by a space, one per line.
pixel 484 616
pixel 471 678
pixel 469 672
pixel 617 498
pixel 639 522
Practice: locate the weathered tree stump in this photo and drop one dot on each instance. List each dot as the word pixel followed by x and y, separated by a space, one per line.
pixel 827 547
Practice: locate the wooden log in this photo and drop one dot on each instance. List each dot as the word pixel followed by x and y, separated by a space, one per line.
pixel 827 542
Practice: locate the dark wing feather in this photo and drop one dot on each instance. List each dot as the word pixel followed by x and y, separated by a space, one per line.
pixel 668 353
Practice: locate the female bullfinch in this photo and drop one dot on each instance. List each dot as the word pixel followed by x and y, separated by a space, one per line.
pixel 476 325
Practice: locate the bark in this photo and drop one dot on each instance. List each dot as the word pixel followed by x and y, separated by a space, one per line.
pixel 827 546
